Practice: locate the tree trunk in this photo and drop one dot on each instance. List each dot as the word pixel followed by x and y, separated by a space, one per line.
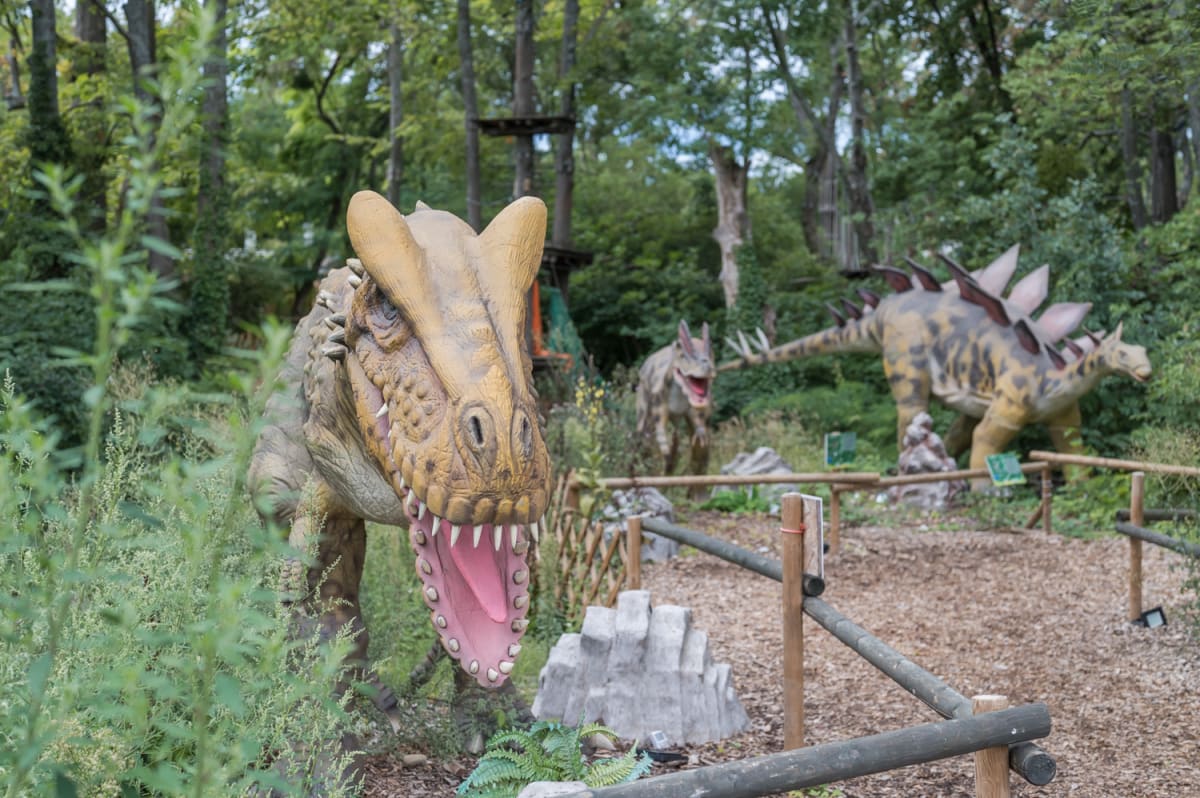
pixel 859 190
pixel 1133 171
pixel 564 156
pixel 523 96
pixel 1193 109
pixel 395 66
pixel 140 24
pixel 733 220
pixel 209 291
pixel 47 138
pixel 1164 196
pixel 91 29
pixel 471 116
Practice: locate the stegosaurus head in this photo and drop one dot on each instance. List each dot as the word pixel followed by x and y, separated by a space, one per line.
pixel 692 367
pixel 1122 358
pixel 443 391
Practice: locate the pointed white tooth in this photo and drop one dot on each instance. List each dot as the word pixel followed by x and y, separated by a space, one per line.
pixel 420 510
pixel 435 527
pixel 454 530
pixel 514 536
pixel 533 529
pixel 513 650
pixel 492 675
pixel 497 535
pixel 505 666
pixel 409 498
pixel 382 411
pixel 403 483
pixel 476 534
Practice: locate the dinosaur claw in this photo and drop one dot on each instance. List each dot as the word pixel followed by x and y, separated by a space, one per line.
pixel 334 351
pixel 356 266
pixel 338 336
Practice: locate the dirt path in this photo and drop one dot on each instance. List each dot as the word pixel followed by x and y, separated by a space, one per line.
pixel 1030 616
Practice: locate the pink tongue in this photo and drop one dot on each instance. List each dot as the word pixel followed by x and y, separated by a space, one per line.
pixel 478 567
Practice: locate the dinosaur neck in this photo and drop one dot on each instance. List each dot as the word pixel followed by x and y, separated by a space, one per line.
pixel 1078 378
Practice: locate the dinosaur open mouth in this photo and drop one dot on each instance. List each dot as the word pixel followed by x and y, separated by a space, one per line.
pixel 475 582
pixel 474 577
pixel 696 388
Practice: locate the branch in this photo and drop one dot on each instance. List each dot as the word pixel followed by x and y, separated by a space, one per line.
pixel 325 117
pixel 799 105
pixel 111 17
pixel 595 26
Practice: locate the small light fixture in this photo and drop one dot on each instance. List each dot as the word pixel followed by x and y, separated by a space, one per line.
pixel 1152 619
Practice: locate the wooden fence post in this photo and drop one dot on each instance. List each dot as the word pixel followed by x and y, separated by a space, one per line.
pixel 573 491
pixel 633 568
pixel 1137 487
pixel 991 764
pixel 1047 498
pixel 792 534
pixel 835 519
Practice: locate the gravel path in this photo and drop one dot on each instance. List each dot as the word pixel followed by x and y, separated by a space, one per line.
pixel 1029 616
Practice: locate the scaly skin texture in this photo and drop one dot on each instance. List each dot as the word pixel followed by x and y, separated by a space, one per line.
pixel 408 400
pixel 977 353
pixel 675 390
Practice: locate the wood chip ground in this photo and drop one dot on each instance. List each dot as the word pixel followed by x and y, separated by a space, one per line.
pixel 1031 616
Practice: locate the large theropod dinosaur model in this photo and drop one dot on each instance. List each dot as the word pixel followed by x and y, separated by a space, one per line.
pixel 408 400
pixel 675 390
pixel 978 353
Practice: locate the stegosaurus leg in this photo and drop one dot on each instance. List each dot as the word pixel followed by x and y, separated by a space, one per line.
pixel 958 437
pixel 1064 430
pixel 992 435
pixel 910 384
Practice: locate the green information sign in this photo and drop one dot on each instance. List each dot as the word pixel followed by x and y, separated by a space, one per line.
pixel 1005 469
pixel 839 448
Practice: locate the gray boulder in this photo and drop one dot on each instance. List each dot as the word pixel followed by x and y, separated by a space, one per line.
pixel 648 503
pixel 925 453
pixel 637 670
pixel 763 460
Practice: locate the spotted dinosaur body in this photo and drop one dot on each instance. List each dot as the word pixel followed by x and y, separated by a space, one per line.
pixel 674 391
pixel 408 400
pixel 976 352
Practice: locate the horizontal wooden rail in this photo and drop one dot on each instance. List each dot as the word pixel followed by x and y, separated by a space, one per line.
pixel 690 480
pixel 846 759
pixel 1035 766
pixel 1158 539
pixel 1114 464
pixel 1176 514
pixel 942 476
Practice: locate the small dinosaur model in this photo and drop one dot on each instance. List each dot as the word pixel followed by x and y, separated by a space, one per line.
pixel 978 353
pixel 408 400
pixel 675 389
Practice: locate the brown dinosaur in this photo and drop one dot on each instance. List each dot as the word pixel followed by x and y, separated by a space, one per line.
pixel 675 390
pixel 408 400
pixel 974 351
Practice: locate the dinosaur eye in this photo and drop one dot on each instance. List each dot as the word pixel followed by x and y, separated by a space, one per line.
pixel 384 308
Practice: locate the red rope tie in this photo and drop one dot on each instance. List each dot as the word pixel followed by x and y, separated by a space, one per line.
pixel 798 531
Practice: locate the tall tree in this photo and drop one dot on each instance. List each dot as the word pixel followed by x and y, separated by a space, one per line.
pixel 523 99
pixel 47 137
pixel 208 299
pixel 733 218
pixel 564 160
pixel 466 58
pixel 395 70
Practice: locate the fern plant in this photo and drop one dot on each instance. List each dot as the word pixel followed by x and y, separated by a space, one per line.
pixel 547 751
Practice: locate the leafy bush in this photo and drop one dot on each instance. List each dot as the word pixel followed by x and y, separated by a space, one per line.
pixel 548 751
pixel 746 500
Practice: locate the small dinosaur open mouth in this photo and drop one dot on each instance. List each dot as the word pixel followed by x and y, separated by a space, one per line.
pixel 696 388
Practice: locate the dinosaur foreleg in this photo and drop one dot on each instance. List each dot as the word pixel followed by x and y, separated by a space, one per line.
pixel 992 435
pixel 698 462
pixel 958 437
pixel 1064 433
pixel 910 385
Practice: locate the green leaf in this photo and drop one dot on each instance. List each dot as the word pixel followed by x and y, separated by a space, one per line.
pixel 64 787
pixel 230 694
pixel 39 671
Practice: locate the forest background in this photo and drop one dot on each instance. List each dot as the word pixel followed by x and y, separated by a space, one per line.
pixel 177 177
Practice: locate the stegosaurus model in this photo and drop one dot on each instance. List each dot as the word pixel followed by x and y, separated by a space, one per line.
pixel 675 390
pixel 978 353
pixel 408 400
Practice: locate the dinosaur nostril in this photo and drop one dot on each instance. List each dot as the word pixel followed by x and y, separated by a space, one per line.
pixel 476 428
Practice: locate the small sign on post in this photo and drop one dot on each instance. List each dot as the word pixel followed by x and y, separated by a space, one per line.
pixel 839 448
pixel 1005 470
pixel 814 523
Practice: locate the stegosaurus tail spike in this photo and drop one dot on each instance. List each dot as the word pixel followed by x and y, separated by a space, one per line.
pixel 868 296
pixel 898 280
pixel 974 293
pixel 852 310
pixel 837 316
pixel 923 275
